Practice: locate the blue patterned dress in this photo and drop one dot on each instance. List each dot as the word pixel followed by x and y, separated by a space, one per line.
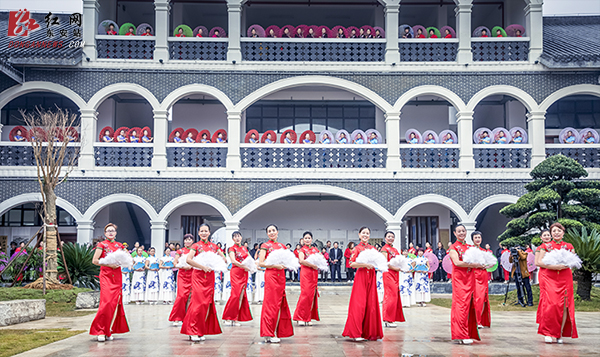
pixel 138 280
pixel 152 280
pixel 422 292
pixel 407 287
pixel 167 281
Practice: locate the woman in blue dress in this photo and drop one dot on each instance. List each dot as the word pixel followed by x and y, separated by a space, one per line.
pixel 407 286
pixel 448 139
pixel 501 138
pixel 152 281
pixel 121 138
pixel 166 278
pixel 106 138
pixel 412 138
pixel 146 139
pixel 430 139
pixel 134 138
pixel 359 139
pixel 421 267
pixel 307 139
pixel 342 139
pixel 190 138
pixel 252 139
pixel 518 138
pixel 570 138
pixel 138 280
pixel 373 139
pixel 589 138
pixel 288 138
pixel 220 139
pixel 177 138
pixel 204 139
pixel 326 139
pixel 269 139
pixel 485 138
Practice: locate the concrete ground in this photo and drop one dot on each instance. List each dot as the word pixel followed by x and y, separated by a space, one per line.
pixel 425 332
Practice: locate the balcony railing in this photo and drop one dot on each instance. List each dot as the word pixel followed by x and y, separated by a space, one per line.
pixel 21 154
pixel 428 50
pixel 313 156
pixel 196 155
pixel 123 155
pixel 125 47
pixel 313 49
pixel 588 155
pixel 500 49
pixel 512 156
pixel 198 48
pixel 419 156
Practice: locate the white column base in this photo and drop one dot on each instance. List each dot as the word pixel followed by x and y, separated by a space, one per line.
pixel 230 227
pixel 158 236
pixel 85 232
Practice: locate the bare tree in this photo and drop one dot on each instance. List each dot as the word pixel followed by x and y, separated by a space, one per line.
pixel 50 134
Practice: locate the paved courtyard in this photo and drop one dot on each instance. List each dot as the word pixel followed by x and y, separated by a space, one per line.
pixel 426 333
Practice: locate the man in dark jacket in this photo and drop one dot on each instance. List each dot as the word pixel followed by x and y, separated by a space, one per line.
pixel 524 274
pixel 335 258
pixel 440 273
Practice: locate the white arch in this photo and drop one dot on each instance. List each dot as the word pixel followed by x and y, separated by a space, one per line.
pixel 303 189
pixel 488 201
pixel 177 202
pixel 37 197
pixel 38 86
pixel 432 198
pixel 93 210
pixel 116 88
pixel 580 89
pixel 439 91
pixel 313 80
pixel 511 91
pixel 196 88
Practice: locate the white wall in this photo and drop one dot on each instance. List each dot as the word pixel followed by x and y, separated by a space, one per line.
pixel 192 209
pixel 423 117
pixel 118 214
pixel 199 116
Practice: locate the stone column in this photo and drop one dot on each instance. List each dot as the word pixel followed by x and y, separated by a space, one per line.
pixel 470 226
pixel 89 121
pixel 161 30
pixel 161 136
pixel 392 54
pixel 536 129
pixel 463 30
pixel 534 28
pixel 392 133
pixel 395 227
pixel 234 15
pixel 230 227
pixel 90 27
pixel 234 120
pixel 158 236
pixel 465 140
pixel 85 232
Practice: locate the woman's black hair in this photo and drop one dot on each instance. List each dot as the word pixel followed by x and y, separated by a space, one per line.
pixel 544 230
pixel 190 236
pixel 204 225
pixel 307 232
pixel 236 232
pixel 152 248
pixel 271 225
pixel 460 225
pixel 389 232
pixel 363 228
pixel 476 233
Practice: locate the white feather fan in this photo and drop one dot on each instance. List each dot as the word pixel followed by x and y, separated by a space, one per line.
pixel 562 257
pixel 373 257
pixel 182 262
pixel 211 260
pixel 283 257
pixel 490 259
pixel 401 262
pixel 474 255
pixel 319 260
pixel 250 264
pixel 120 258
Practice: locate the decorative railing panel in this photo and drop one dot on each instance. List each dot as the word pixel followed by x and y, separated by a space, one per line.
pixel 500 50
pixel 314 50
pixel 313 157
pixel 426 51
pixel 132 155
pixel 588 156
pixel 198 49
pixel 500 156
pixel 197 156
pixel 110 47
pixel 419 157
pixel 22 155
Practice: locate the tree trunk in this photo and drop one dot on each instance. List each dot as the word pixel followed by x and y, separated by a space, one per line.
pixel 51 241
pixel 584 284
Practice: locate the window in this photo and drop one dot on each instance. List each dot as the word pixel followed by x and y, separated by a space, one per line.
pixel 300 116
pixel 576 111
pixel 28 215
pixel 29 102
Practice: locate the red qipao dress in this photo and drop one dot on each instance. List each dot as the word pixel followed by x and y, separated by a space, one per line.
pixel 364 317
pixel 111 297
pixel 482 297
pixel 184 288
pixel 546 247
pixel 392 304
pixel 275 317
pixel 201 318
pixel 308 307
pixel 556 290
pixel 463 316
pixel 238 308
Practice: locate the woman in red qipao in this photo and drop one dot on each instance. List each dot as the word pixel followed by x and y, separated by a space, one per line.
pixel 184 283
pixel 110 317
pixel 201 318
pixel 237 308
pixel 546 245
pixel 463 316
pixel 307 308
pixel 364 317
pixel 392 304
pixel 482 297
pixel 556 312
pixel 275 316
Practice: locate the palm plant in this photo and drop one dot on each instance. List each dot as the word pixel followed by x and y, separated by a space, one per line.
pixel 587 247
pixel 83 273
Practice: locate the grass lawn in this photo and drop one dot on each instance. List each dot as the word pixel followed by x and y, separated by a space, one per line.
pixel 58 302
pixel 13 342
pixel 497 301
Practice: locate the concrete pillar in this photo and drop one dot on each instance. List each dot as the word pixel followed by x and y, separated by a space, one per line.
pixel 234 16
pixel 464 121
pixel 463 30
pixel 392 54
pixel 161 30
pixel 392 134
pixel 230 227
pixel 158 236
pixel 536 129
pixel 534 28
pixel 234 120
pixel 161 136
pixel 89 121
pixel 470 226
pixel 85 232
pixel 396 227
pixel 90 27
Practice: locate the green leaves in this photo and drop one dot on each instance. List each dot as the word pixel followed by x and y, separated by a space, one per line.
pixel 79 262
pixel 541 219
pixel 587 247
pixel 558 167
